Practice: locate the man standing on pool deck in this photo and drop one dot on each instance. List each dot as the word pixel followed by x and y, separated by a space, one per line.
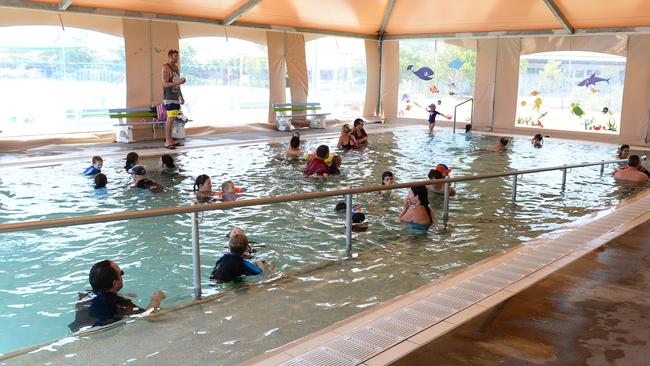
pixel 172 95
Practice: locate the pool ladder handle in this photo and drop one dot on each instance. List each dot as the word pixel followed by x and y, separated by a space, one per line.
pixel 458 105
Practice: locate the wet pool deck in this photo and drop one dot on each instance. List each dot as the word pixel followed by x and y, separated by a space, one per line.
pixel 594 311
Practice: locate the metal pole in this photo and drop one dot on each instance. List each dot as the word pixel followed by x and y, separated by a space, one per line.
pixel 348 225
pixel 563 178
pixel 602 168
pixel 445 215
pixel 196 256
pixel 514 189
pixel 454 128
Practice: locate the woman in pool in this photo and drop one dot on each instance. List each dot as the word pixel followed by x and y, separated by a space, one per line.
pixel 416 211
pixel 203 188
pixel 623 152
pixel 132 159
pixel 359 134
pixel 346 140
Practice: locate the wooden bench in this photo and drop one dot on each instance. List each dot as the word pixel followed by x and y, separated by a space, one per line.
pixel 307 112
pixel 126 131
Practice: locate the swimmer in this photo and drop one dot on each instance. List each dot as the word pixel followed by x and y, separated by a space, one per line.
pixel 468 128
pixel 501 146
pixel 359 223
pixel 537 141
pixel 336 165
pixel 623 152
pixel 346 139
pixel 438 188
pixel 167 164
pixel 316 164
pixel 387 178
pixel 203 188
pixel 416 211
pixel 294 147
pixel 432 115
pixel 229 191
pixel 232 266
pixel 444 169
pixel 132 159
pixel 100 181
pixel 95 167
pixel 359 134
pixel 631 172
pixel 140 181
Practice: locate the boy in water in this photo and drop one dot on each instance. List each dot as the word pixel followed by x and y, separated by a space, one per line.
pixel 229 191
pixel 432 115
pixel 294 147
pixel 232 266
pixel 316 165
pixel 96 167
pixel 501 146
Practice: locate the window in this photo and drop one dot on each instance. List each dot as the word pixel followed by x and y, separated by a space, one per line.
pixel 55 81
pixel 433 72
pixel 336 68
pixel 227 80
pixel 571 91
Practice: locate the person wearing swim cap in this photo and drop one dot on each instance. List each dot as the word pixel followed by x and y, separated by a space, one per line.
pixel 140 181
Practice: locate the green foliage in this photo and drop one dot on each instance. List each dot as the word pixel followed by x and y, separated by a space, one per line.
pixel 551 78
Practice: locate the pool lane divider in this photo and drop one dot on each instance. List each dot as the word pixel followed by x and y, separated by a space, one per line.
pixel 390 331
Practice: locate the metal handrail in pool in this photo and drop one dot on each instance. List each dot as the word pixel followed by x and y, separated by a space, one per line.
pixel 458 105
pixel 347 192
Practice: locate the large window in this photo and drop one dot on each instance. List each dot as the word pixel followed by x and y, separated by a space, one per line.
pixel 337 75
pixel 54 80
pixel 571 91
pixel 438 73
pixel 227 80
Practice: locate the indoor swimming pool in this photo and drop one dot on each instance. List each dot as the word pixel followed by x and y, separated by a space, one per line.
pixel 44 270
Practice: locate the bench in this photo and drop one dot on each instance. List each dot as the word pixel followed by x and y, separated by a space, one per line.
pixel 285 116
pixel 126 131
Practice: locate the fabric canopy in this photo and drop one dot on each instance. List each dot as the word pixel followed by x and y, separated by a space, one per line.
pixel 408 17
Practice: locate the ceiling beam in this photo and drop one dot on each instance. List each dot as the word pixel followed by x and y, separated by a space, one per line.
pixel 559 16
pixel 532 33
pixel 384 22
pixel 64 4
pixel 248 5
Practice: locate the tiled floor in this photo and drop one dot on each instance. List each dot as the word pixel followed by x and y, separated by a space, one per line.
pixel 386 334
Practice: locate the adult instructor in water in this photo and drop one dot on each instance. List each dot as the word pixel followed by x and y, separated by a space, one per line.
pixel 172 95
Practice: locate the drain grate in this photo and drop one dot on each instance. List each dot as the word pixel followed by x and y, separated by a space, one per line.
pixel 503 272
pixel 375 337
pixel 390 326
pixel 430 309
pixel 413 318
pixel 447 302
pixel 322 357
pixel 467 295
pixel 500 282
pixel 481 287
pixel 354 351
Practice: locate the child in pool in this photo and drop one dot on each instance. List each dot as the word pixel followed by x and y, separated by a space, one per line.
pixel 432 115
pixel 359 223
pixel 294 147
pixel 438 188
pixel 623 151
pixel 229 191
pixel 132 159
pixel 167 165
pixel 336 165
pixel 203 188
pixel 387 178
pixel 316 164
pixel 100 181
pixel 232 266
pixel 95 167
pixel 501 146
pixel 140 181
pixel 537 141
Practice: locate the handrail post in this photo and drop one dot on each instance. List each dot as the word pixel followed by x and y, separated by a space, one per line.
pixel 196 256
pixel 445 215
pixel 563 178
pixel 348 225
pixel 602 167
pixel 514 189
pixel 454 128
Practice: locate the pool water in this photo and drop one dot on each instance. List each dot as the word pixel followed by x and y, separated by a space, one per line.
pixel 43 271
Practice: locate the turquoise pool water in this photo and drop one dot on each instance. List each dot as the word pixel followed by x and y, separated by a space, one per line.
pixel 42 271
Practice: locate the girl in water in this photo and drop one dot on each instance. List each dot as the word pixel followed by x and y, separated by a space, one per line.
pixel 416 211
pixel 346 140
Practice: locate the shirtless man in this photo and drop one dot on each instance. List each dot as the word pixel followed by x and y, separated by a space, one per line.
pixel 631 171
pixel 172 95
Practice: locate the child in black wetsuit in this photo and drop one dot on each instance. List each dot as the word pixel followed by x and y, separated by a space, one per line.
pixel 432 115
